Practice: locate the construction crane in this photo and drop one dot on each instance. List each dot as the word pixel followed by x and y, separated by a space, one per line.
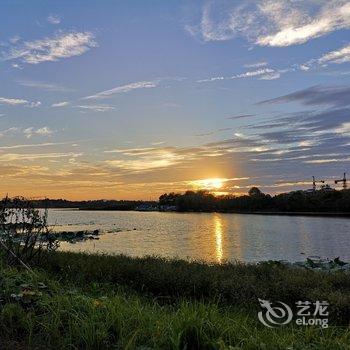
pixel 314 183
pixel 343 180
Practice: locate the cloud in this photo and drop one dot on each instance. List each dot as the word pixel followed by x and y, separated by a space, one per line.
pixel 54 19
pixel 9 157
pixel 302 27
pixel 261 74
pixel 44 131
pixel 63 45
pixel 39 145
pixel 256 65
pixel 337 96
pixel 97 108
pixel 205 134
pixel 12 101
pixel 339 56
pixel 157 143
pixel 145 159
pixel 140 160
pixel 34 104
pixel 123 89
pixel 271 76
pixel 327 160
pixel 16 65
pixel 213 132
pixel 43 86
pixel 8 131
pixel 14 39
pixel 271 23
pixel 313 137
pixel 343 129
pixel 19 102
pixel 60 104
pixel 241 116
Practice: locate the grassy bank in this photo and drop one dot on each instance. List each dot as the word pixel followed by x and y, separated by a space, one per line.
pixel 98 302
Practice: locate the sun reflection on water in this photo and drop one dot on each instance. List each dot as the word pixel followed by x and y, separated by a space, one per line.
pixel 218 237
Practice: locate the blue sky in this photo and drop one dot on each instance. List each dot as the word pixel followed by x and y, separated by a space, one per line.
pixel 129 99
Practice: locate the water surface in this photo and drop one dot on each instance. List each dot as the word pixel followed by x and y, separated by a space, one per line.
pixel 211 237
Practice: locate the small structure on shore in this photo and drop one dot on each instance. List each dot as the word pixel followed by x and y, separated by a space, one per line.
pixel 146 207
pixel 168 208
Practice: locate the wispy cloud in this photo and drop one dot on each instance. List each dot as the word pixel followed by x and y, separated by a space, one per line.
pixel 43 86
pixel 8 131
pixel 272 23
pixel 327 160
pixel 261 74
pixel 34 104
pixel 343 129
pixel 12 101
pixel 54 19
pixel 63 45
pixel 97 108
pixel 144 159
pixel 213 132
pixel 337 96
pixel 60 104
pixel 35 145
pixel 14 39
pixel 123 89
pixel 205 134
pixel 9 157
pixel 339 56
pixel 241 116
pixel 19 102
pixel 16 65
pixel 256 65
pixel 44 131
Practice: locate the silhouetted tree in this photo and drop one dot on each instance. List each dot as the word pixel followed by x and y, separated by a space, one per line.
pixel 255 192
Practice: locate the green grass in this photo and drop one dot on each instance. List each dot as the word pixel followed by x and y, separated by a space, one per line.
pixel 101 302
pixel 232 283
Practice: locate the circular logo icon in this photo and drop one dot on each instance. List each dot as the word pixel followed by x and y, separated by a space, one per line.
pixel 274 315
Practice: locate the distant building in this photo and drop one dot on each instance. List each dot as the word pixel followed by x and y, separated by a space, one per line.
pixel 324 188
pixel 327 188
pixel 168 208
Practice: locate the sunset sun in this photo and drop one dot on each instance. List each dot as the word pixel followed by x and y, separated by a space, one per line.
pixel 209 184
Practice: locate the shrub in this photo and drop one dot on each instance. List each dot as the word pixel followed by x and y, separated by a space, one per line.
pixel 24 232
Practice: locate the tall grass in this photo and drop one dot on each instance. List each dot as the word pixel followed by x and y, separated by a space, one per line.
pixel 229 284
pixel 97 302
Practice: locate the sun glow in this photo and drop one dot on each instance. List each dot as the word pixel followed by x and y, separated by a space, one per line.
pixel 209 184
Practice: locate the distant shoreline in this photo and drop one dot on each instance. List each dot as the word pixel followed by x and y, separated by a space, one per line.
pixel 272 213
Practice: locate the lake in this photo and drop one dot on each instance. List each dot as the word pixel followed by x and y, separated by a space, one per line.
pixel 211 237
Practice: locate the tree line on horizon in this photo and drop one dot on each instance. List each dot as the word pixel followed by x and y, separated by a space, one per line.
pixel 255 200
pixel 204 201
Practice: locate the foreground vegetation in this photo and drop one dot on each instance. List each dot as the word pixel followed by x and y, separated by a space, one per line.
pixel 73 301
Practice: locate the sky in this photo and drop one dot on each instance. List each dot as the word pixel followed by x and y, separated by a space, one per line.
pixel 131 99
